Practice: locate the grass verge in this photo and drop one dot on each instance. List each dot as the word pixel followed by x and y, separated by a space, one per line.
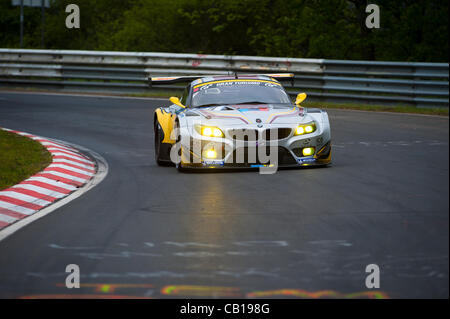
pixel 20 158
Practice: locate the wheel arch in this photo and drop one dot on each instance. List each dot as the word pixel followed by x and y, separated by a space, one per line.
pixel 165 120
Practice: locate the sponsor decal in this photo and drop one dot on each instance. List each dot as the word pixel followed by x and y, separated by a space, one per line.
pixel 253 109
pixel 205 87
pixel 262 165
pixel 213 163
pixel 226 83
pixel 306 160
pixel 239 83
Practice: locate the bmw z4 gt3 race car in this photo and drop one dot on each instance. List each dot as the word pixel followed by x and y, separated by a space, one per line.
pixel 239 121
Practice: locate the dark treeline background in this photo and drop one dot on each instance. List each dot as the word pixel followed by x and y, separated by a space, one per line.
pixel 334 29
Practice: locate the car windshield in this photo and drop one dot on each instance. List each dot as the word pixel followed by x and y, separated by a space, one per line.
pixel 239 92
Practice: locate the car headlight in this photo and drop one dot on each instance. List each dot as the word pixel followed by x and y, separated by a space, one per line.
pixel 211 153
pixel 305 128
pixel 209 131
pixel 308 151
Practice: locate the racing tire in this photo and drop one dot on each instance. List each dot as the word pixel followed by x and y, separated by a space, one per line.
pixel 159 135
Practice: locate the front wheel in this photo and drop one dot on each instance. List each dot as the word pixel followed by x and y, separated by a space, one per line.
pixel 159 135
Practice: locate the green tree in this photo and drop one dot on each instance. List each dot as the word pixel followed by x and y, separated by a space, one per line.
pixel 411 30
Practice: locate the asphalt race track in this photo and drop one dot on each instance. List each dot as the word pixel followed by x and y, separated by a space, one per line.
pixel 151 231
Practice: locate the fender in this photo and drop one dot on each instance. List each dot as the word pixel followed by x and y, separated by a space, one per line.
pixel 166 121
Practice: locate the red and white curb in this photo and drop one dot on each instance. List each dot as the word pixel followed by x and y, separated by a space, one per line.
pixel 70 174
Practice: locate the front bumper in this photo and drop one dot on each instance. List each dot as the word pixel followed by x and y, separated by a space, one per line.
pixel 231 153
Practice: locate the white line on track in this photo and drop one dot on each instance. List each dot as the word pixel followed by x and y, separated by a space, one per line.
pixel 79 158
pixel 16 208
pixel 166 99
pixel 26 198
pixel 78 165
pixel 54 146
pixel 86 95
pixel 7 219
pixel 67 176
pixel 73 169
pixel 53 149
pixel 383 112
pixel 40 190
pixel 52 182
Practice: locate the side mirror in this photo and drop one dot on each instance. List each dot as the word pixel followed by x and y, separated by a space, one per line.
pixel 300 98
pixel 176 101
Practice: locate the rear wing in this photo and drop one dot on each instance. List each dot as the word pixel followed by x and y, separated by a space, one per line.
pixel 185 79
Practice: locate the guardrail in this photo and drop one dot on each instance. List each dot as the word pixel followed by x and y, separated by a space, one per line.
pixel 418 84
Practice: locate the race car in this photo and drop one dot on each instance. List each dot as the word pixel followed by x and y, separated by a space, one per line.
pixel 239 121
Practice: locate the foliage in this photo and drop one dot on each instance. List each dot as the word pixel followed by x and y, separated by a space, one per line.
pixel 334 29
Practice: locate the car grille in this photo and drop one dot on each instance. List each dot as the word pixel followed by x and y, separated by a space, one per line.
pixel 244 135
pixel 282 133
pixel 284 156
pixel 253 135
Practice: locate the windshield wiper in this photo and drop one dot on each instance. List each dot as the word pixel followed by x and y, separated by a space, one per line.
pixel 251 102
pixel 229 104
pixel 207 105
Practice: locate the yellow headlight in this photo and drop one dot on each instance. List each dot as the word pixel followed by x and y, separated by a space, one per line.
pixel 307 151
pixel 305 129
pixel 309 129
pixel 211 154
pixel 300 130
pixel 217 132
pixel 209 131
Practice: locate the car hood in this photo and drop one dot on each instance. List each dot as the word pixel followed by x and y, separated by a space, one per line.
pixel 247 114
